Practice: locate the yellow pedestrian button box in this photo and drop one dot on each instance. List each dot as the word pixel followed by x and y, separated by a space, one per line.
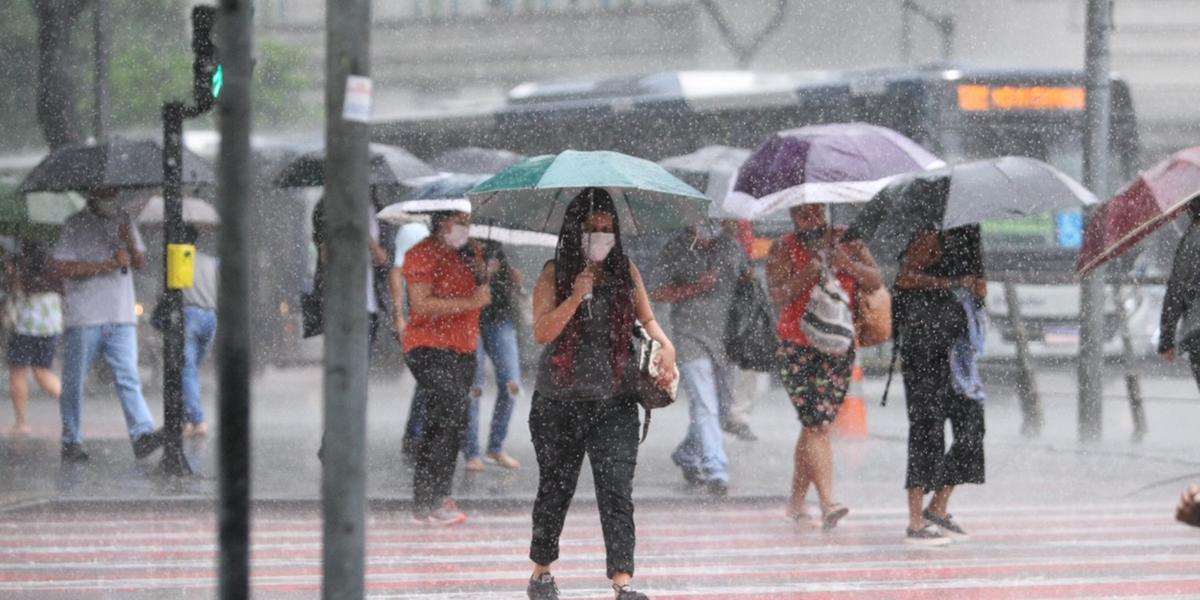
pixel 181 266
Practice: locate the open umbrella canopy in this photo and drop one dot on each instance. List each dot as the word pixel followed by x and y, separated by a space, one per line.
pixel 36 215
pixel 118 163
pixel 533 194
pixel 475 160
pixel 966 194
pixel 1147 203
pixel 449 193
pixel 828 164
pixel 389 165
pixel 710 169
pixel 195 212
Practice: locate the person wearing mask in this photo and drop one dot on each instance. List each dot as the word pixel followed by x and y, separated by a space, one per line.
pixel 407 236
pixel 447 290
pixel 940 322
pixel 199 331
pixel 37 324
pixel 498 341
pixel 1183 287
pixel 585 304
pixel 95 255
pixel 814 258
pixel 698 271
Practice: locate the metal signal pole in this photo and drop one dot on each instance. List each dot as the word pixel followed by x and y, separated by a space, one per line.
pixel 233 351
pixel 343 476
pixel 1097 129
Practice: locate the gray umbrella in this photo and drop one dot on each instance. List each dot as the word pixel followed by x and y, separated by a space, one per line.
pixel 475 161
pixel 966 194
pixel 118 163
pixel 389 165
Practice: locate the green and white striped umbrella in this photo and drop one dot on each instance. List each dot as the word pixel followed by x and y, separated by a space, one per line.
pixel 533 194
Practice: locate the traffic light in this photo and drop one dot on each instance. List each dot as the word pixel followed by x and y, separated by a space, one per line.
pixel 207 76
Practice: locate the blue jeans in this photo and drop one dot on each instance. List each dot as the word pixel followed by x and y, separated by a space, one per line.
pixel 708 386
pixel 199 329
pixel 498 341
pixel 118 344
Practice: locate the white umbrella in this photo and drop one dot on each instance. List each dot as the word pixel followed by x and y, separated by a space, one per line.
pixel 417 211
pixel 195 212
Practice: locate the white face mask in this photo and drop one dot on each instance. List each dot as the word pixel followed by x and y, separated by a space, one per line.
pixel 598 245
pixel 457 236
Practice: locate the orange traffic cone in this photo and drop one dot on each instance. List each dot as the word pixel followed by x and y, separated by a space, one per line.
pixel 852 418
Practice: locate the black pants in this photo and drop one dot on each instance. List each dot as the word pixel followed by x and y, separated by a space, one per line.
pixel 1194 360
pixel 563 431
pixel 445 379
pixel 932 401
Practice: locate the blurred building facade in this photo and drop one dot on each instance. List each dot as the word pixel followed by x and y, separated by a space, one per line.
pixel 428 55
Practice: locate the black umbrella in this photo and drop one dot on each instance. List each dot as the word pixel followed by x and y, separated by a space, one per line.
pixel 389 165
pixel 118 163
pixel 966 194
pixel 474 160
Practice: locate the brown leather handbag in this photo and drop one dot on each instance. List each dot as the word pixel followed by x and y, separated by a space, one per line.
pixel 873 320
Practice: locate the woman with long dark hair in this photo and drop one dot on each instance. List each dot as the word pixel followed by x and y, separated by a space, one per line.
pixel 37 324
pixel 585 305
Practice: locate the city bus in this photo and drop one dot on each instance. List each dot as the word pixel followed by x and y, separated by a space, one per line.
pixel 958 113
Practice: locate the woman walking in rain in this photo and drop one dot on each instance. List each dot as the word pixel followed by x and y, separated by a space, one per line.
pixel 940 319
pixel 585 304
pixel 37 324
pixel 1183 287
pixel 816 279
pixel 446 292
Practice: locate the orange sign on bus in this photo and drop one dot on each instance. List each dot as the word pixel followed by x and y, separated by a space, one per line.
pixel 982 98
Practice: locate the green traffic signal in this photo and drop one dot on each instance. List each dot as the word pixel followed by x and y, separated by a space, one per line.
pixel 218 81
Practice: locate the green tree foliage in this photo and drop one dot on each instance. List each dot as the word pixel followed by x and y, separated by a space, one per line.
pixel 150 64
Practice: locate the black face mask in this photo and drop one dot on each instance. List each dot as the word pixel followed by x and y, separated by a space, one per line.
pixel 810 236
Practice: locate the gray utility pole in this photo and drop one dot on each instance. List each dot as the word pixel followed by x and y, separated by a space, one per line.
pixel 235 182
pixel 1097 130
pixel 343 476
pixel 101 30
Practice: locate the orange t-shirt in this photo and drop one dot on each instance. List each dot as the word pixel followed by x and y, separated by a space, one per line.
pixel 442 267
pixel 793 314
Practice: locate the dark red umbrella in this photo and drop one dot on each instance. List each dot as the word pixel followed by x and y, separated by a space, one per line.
pixel 1147 203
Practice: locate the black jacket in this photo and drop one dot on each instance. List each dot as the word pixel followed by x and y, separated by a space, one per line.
pixel 1182 289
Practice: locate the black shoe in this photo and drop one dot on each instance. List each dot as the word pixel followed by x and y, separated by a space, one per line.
pixel 929 535
pixel 950 528
pixel 145 444
pixel 717 488
pixel 542 588
pixel 72 452
pixel 740 431
pixel 626 592
pixel 692 476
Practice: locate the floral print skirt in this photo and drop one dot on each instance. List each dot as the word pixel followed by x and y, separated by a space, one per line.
pixel 816 382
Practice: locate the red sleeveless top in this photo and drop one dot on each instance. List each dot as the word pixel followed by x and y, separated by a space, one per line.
pixel 793 314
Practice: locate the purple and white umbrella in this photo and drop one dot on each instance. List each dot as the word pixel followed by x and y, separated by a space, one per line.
pixel 822 164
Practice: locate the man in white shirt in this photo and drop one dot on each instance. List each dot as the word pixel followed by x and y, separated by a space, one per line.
pixel 95 254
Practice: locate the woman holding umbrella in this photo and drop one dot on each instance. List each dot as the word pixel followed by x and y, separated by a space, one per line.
pixel 939 309
pixel 585 304
pixel 804 267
